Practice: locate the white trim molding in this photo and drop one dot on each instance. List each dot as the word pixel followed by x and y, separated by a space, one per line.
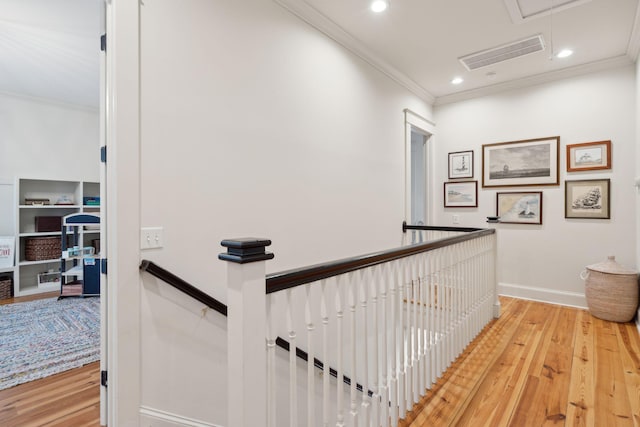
pixel 569 299
pixel 320 22
pixel 159 418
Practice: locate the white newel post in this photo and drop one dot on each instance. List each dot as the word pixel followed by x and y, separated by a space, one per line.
pixel 246 331
pixel 492 221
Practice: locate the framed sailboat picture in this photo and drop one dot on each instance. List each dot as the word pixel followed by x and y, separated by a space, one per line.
pixel 587 198
pixel 461 164
pixel 523 207
pixel 521 163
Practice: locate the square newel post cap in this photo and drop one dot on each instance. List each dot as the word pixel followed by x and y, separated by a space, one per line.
pixel 245 249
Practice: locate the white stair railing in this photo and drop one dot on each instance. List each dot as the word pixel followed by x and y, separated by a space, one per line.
pixel 388 323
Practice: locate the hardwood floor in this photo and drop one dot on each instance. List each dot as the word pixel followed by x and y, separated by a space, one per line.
pixel 539 364
pixel 68 399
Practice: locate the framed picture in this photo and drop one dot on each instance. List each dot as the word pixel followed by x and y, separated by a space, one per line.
pixel 461 164
pixel 520 163
pixel 589 156
pixel 523 207
pixel 587 198
pixel 461 194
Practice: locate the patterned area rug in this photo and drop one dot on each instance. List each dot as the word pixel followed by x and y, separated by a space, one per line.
pixel 45 337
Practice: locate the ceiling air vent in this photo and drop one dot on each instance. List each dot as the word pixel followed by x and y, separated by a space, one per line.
pixel 503 53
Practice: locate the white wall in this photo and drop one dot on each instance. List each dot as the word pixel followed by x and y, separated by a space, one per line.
pixel 48 140
pixel 544 261
pixel 253 124
pixel 41 139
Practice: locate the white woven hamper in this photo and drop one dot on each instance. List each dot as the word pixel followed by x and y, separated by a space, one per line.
pixel 611 290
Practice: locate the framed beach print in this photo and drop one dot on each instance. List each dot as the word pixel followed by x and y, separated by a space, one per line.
pixel 587 198
pixel 461 164
pixel 523 207
pixel 520 163
pixel 461 194
pixel 589 156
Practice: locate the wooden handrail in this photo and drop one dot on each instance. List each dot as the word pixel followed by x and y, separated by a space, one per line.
pixel 300 276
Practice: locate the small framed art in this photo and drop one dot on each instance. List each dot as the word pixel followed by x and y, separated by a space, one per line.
pixel 589 156
pixel 524 207
pixel 587 198
pixel 461 194
pixel 461 164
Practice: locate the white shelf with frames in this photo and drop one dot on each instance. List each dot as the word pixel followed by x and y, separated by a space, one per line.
pixel 25 277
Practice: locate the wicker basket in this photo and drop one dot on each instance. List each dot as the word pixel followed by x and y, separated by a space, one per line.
pixel 6 287
pixel 41 248
pixel 611 291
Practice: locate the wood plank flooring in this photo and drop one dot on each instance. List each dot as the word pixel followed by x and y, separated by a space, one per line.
pixel 539 364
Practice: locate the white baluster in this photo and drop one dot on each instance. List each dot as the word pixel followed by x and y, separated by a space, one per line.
pixel 352 288
pixel 363 292
pixel 423 322
pixel 415 343
pixel 385 278
pixel 402 362
pixel 325 354
pixel 293 380
pixel 393 343
pixel 375 398
pixel 340 354
pixel 310 359
pixel 271 362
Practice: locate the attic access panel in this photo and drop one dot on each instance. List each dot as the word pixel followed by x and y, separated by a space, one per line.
pixel 525 10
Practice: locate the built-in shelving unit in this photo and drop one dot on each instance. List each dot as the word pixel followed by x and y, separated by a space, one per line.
pixel 37 198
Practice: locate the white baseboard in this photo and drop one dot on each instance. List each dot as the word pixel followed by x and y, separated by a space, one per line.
pixel 570 299
pixel 158 418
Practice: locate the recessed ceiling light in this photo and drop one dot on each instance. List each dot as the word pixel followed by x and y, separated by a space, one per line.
pixel 379 5
pixel 564 53
pixel 457 80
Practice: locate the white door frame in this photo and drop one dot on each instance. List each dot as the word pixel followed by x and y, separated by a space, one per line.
pixel 428 128
pixel 122 134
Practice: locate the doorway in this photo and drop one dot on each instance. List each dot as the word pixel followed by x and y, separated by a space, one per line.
pixel 418 179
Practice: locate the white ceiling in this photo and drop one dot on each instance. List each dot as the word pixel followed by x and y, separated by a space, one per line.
pixel 420 41
pixel 50 48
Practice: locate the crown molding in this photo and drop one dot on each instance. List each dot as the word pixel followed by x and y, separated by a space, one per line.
pixel 592 67
pixel 320 22
pixel 633 48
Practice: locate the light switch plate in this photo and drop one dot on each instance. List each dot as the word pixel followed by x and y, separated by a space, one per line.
pixel 151 237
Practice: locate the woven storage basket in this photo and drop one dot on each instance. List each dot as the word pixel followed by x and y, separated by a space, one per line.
pixel 41 248
pixel 611 291
pixel 6 287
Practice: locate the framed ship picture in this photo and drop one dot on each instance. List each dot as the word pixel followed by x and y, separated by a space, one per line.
pixel 587 198
pixel 521 163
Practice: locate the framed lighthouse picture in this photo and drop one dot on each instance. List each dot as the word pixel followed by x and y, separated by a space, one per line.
pixel 519 207
pixel 461 164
